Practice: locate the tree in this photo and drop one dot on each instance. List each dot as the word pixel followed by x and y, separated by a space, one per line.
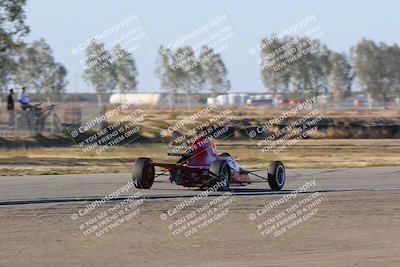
pixel 311 66
pixel 320 68
pixel 12 29
pixel 167 74
pixel 99 71
pixel 125 70
pixel 214 72
pixel 391 70
pixel 57 82
pixel 188 71
pixel 38 70
pixel 8 67
pixel 341 76
pixel 301 65
pixel 28 65
pixel 179 71
pixel 369 64
pixel 12 26
pixel 269 73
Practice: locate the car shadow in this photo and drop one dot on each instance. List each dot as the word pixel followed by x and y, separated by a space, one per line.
pixel 256 190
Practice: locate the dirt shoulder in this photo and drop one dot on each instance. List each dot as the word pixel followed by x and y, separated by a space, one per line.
pixel 332 153
pixel 354 229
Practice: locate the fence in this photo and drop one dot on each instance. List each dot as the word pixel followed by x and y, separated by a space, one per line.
pixel 42 118
pixel 48 118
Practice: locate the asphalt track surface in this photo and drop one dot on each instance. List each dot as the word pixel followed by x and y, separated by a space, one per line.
pixel 357 225
pixel 16 190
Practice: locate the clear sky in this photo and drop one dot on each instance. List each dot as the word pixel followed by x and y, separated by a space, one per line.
pixel 65 24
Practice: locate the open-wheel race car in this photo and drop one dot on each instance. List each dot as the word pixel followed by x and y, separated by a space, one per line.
pixel 202 167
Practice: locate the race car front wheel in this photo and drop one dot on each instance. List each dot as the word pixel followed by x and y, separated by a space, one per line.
pixel 143 173
pixel 276 175
pixel 220 175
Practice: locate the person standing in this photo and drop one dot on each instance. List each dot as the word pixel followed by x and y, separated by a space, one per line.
pixel 26 108
pixel 11 109
pixel 24 99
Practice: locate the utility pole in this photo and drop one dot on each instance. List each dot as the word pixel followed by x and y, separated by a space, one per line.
pixel 76 86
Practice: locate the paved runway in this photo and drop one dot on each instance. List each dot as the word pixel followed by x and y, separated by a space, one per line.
pixel 80 187
pixel 356 224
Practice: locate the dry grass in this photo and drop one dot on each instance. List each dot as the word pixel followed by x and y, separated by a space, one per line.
pixel 305 154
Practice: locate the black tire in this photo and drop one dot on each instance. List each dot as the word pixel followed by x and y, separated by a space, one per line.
pixel 276 175
pixel 220 172
pixel 143 173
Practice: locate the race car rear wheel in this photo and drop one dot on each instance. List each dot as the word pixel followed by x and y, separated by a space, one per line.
pixel 220 173
pixel 143 173
pixel 276 175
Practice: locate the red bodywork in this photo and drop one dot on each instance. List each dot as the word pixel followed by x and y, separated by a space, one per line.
pixel 193 171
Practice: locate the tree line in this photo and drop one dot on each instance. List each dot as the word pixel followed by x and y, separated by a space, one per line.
pixel 306 67
pixel 316 69
pixel 106 70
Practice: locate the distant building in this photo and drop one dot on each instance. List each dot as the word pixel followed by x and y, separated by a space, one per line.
pixel 154 99
pixel 241 99
pixel 140 98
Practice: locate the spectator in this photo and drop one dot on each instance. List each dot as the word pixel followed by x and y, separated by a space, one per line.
pixel 24 99
pixel 10 108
